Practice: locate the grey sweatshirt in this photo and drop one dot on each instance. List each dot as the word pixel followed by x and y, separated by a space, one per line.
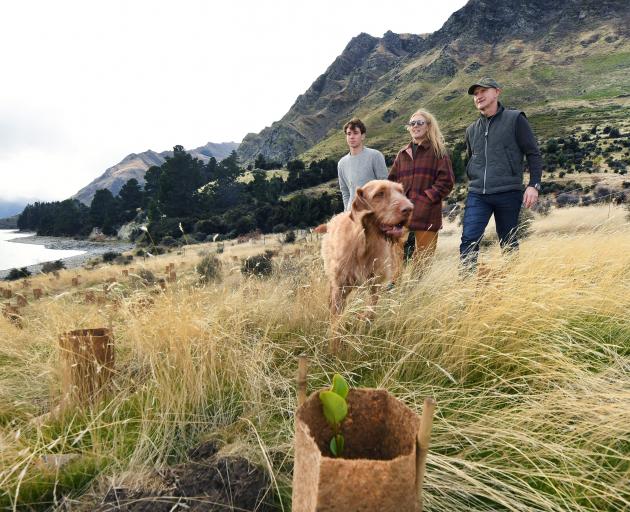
pixel 355 171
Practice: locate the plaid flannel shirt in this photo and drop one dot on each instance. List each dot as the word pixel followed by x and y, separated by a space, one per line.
pixel 426 180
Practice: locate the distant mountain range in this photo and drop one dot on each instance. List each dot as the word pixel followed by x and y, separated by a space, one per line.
pixel 136 164
pixel 8 208
pixel 565 62
pixel 9 222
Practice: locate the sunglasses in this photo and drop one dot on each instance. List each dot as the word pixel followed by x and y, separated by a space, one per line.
pixel 416 123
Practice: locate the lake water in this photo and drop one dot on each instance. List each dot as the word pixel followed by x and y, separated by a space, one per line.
pixel 17 255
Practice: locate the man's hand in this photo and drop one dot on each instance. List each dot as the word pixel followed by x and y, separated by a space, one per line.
pixel 530 198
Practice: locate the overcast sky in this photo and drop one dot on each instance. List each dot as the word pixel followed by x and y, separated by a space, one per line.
pixel 85 83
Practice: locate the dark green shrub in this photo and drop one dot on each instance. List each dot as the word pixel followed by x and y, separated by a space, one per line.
pixel 110 256
pixel 169 241
pixel 602 193
pixel 279 228
pixel 123 259
pixel 51 266
pixel 209 268
pixel 542 207
pixel 15 273
pixel 259 265
pixel 567 199
pixel 289 237
pixel 146 276
pixel 614 133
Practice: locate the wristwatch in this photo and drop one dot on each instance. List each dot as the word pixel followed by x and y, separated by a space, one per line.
pixel 537 186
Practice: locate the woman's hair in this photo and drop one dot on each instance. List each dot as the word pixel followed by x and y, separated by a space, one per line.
pixel 434 135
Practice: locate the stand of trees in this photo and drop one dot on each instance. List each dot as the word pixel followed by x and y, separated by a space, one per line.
pixel 185 197
pixel 73 218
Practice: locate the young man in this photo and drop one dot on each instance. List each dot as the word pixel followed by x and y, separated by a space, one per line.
pixel 496 144
pixel 360 165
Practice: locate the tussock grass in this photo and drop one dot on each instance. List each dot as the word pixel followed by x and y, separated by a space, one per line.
pixel 529 368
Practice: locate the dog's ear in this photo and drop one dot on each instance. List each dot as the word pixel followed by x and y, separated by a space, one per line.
pixel 364 218
pixel 361 211
pixel 322 228
pixel 359 205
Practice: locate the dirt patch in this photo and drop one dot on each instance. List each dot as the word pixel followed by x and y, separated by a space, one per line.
pixel 206 483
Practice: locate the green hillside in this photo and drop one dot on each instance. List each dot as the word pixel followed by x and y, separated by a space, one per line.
pixel 559 90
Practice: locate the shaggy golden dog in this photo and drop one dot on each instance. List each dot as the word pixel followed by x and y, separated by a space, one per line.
pixel 365 244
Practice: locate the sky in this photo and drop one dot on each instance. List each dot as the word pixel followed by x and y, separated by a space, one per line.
pixel 85 83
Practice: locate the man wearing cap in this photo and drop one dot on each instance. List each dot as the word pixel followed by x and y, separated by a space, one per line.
pixel 496 144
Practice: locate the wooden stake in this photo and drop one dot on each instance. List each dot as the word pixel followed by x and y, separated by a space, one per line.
pixel 422 444
pixel 301 379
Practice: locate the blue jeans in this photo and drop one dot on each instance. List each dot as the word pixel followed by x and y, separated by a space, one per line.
pixel 505 206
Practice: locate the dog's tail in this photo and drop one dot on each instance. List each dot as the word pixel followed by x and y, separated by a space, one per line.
pixel 322 228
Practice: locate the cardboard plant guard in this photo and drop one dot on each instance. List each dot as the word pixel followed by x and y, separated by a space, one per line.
pixel 377 471
pixel 88 356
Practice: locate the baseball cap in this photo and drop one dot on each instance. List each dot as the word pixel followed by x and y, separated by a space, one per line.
pixel 484 82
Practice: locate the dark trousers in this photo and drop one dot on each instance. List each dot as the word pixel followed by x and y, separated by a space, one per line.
pixel 505 206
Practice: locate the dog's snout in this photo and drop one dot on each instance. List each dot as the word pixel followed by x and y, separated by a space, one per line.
pixel 406 206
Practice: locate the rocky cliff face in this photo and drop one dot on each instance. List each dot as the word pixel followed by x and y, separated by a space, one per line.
pixel 331 97
pixel 548 54
pixel 135 165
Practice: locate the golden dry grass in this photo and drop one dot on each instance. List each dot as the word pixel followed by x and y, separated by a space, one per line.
pixel 529 368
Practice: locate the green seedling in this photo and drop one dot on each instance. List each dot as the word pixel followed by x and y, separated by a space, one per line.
pixel 335 410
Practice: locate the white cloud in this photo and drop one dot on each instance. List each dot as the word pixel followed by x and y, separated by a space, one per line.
pixel 86 83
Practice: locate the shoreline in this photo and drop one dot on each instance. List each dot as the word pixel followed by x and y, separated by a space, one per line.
pixel 91 248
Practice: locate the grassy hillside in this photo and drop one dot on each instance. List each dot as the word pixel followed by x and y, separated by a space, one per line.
pixel 583 78
pixel 529 368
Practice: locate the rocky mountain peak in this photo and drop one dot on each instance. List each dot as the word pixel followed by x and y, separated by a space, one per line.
pixel 484 21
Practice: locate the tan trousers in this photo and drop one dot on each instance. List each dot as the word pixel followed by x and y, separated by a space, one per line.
pixel 426 243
